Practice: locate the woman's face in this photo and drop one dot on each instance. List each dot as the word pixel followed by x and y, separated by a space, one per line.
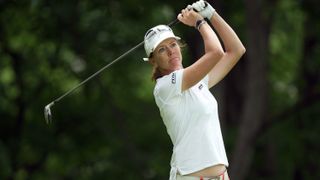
pixel 167 56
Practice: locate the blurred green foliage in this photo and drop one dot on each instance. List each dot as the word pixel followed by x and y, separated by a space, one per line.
pixel 111 127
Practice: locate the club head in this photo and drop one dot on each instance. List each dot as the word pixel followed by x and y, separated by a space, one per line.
pixel 47 113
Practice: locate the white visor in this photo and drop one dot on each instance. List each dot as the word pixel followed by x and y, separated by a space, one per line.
pixel 155 36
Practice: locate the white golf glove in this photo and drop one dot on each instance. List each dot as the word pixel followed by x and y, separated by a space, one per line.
pixel 203 8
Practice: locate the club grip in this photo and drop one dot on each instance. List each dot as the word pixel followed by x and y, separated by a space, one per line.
pixel 174 22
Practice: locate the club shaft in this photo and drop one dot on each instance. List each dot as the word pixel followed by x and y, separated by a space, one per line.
pixel 98 72
pixel 174 22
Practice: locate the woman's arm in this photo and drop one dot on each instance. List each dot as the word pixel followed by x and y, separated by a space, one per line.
pixel 233 46
pixel 213 50
pixel 234 49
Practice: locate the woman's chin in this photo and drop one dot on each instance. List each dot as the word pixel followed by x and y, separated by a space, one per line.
pixel 176 65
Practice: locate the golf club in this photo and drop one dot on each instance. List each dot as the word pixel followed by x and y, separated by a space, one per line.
pixel 47 109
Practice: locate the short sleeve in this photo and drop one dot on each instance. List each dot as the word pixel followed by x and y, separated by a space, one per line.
pixel 168 87
pixel 206 80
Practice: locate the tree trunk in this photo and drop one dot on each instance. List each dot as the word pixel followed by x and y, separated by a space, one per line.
pixel 255 95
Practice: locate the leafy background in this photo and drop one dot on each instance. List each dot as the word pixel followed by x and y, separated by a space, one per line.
pixel 110 127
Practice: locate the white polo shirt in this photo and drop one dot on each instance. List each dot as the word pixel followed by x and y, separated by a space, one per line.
pixel 192 122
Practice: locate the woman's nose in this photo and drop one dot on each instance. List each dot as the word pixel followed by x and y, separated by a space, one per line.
pixel 169 50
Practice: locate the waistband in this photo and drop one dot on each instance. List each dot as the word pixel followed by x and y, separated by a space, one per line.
pixel 223 176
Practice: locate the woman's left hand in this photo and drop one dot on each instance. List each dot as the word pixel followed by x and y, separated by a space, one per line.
pixel 189 17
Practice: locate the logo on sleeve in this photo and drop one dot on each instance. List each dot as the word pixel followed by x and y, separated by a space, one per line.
pixel 173 78
pixel 200 86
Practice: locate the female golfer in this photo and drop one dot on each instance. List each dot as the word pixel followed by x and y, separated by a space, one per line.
pixel 182 95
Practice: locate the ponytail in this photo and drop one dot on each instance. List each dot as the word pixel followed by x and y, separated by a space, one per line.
pixel 155 73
